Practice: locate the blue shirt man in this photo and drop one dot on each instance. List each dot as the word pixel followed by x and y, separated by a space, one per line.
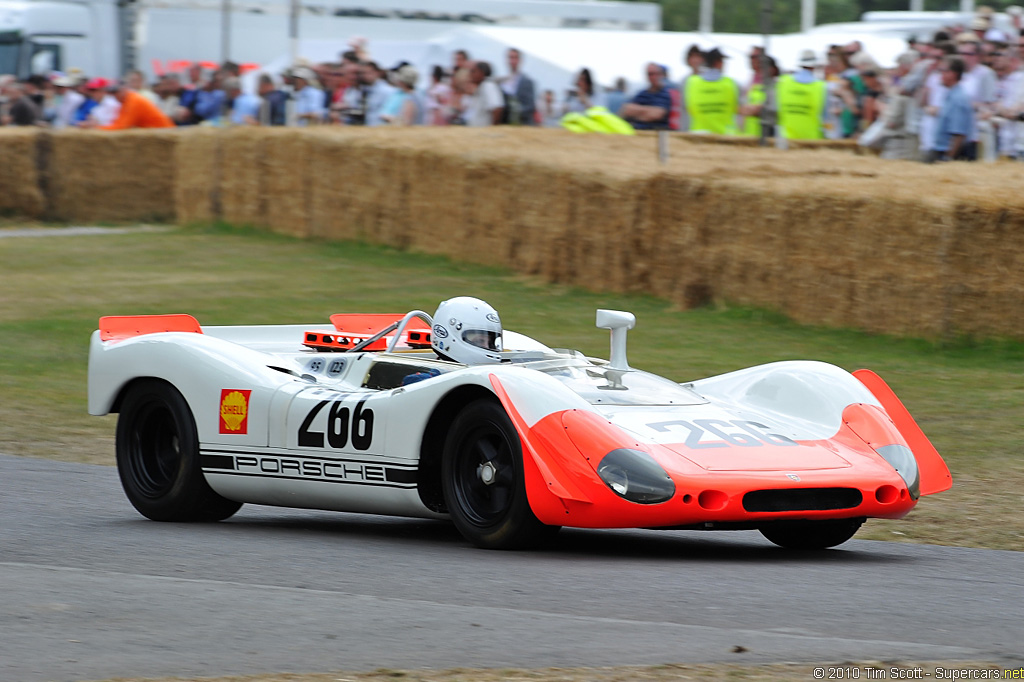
pixel 245 107
pixel 310 101
pixel 210 104
pixel 650 108
pixel 956 117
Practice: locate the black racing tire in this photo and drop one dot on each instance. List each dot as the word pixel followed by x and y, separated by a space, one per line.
pixel 158 457
pixel 811 534
pixel 495 514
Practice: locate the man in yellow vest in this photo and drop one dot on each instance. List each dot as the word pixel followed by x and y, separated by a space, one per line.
pixel 801 101
pixel 711 98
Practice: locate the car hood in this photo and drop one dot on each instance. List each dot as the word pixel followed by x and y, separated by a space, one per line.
pixel 718 439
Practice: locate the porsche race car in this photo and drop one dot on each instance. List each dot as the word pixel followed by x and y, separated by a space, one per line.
pixel 363 415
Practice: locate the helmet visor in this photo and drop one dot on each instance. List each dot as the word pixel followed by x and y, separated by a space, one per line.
pixel 480 338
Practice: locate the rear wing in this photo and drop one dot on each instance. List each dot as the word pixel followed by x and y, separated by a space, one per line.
pixel 120 327
pixel 354 328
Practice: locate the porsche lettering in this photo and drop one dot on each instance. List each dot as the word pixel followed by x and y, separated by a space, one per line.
pixel 357 472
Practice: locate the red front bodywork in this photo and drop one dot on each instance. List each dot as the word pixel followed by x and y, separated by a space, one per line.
pixel 562 451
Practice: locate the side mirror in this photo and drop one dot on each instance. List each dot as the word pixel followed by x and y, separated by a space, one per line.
pixel 619 322
pixel 614 319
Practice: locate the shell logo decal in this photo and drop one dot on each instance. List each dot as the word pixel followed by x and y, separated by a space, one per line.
pixel 234 411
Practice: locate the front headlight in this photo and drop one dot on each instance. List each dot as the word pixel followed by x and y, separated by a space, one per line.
pixel 902 460
pixel 635 476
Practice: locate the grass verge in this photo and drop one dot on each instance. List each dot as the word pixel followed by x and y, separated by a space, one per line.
pixel 966 395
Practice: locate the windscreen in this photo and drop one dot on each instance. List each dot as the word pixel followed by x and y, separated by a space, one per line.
pixel 601 385
pixel 10 46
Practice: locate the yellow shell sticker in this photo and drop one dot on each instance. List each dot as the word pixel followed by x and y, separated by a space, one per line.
pixel 234 411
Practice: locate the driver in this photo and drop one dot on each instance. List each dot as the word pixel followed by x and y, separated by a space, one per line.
pixel 467 330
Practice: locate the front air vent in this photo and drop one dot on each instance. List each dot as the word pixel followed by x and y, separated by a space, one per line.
pixel 802 499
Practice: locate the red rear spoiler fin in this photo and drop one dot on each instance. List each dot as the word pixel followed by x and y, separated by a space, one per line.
pixel 121 327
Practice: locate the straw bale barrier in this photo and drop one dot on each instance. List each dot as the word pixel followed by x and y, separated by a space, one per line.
pixel 827 237
pixel 197 157
pixel 20 191
pixel 243 177
pixel 97 175
pixel 823 235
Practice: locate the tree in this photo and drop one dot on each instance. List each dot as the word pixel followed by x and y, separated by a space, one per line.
pixel 744 16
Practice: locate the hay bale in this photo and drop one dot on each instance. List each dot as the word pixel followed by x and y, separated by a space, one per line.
pixel 20 190
pixel 243 176
pixel 823 235
pixel 197 190
pixel 329 172
pixel 483 204
pixel 901 274
pixel 387 189
pixel 288 192
pixel 107 175
pixel 985 284
pixel 433 198
pixel 673 235
pixel 343 187
pixel 593 249
pixel 745 244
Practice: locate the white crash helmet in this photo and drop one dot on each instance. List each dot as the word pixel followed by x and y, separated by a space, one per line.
pixel 467 330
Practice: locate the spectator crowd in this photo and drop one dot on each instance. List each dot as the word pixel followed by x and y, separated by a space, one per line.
pixel 959 95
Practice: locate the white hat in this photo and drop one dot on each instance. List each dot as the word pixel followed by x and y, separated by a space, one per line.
pixel 303 72
pixel 994 35
pixel 407 74
pixel 979 23
pixel 808 59
pixel 863 61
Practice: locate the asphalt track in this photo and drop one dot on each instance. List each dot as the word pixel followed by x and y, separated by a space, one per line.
pixel 90 590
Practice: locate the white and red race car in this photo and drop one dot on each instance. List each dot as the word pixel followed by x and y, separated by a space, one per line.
pixel 325 417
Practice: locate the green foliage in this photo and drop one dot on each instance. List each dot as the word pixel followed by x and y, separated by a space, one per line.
pixel 745 16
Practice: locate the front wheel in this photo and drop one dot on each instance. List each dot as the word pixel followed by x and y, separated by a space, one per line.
pixel 811 534
pixel 483 482
pixel 158 457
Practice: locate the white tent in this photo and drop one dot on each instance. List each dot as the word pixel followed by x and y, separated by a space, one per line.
pixel 552 56
pixel 613 54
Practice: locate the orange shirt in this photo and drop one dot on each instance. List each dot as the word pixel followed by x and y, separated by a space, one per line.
pixel 139 112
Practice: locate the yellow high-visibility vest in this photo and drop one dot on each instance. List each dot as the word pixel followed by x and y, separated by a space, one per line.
pixel 800 108
pixel 597 120
pixel 712 105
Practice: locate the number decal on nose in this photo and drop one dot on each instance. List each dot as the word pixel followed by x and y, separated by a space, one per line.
pixel 753 434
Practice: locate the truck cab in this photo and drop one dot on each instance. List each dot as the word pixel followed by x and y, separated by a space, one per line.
pixel 56 35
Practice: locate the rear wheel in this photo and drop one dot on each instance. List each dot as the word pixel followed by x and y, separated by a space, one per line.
pixel 158 457
pixel 483 482
pixel 811 534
